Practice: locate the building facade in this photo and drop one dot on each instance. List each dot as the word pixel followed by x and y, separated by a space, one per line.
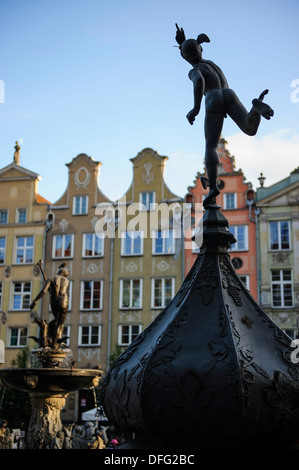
pixel 72 238
pixel 238 206
pixel 23 215
pixel 148 249
pixel 278 230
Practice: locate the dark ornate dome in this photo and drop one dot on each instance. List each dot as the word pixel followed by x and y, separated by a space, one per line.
pixel 212 366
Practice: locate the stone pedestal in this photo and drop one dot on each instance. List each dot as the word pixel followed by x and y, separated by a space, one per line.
pixel 45 423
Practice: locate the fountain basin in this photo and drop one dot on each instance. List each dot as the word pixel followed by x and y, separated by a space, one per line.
pixel 50 380
pixel 48 388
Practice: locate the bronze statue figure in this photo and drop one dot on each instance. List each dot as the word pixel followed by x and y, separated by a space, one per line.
pixel 51 335
pixel 220 101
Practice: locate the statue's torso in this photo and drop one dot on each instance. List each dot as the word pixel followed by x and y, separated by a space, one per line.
pixel 212 74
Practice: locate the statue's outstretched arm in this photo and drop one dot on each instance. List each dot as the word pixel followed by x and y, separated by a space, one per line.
pixel 180 35
pixel 41 294
pixel 198 92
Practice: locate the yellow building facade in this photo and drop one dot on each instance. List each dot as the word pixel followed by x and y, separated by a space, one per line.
pixel 278 251
pixel 22 242
pixel 147 265
pixel 125 259
pixel 72 239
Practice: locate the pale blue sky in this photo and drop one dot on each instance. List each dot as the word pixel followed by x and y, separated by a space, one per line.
pixel 104 78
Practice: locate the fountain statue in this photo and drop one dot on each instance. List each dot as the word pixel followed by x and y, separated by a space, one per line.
pixel 212 370
pixel 220 101
pixel 49 385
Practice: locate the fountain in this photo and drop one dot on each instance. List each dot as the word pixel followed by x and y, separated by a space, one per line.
pixel 49 385
pixel 212 370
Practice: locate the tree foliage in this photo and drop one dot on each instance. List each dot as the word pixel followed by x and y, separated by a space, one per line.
pixel 15 405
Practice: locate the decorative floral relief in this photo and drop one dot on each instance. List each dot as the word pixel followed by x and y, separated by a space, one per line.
pixel 223 323
pixel 131 266
pixel 163 266
pixel 140 365
pixel 130 351
pixel 230 281
pixel 246 360
pixel 148 175
pixel 247 322
pixel 63 225
pixel 130 316
pixel 221 352
pixel 82 178
pixel 119 400
pixel 94 222
pixel 284 346
pixel 233 326
pixel 190 394
pixel 165 354
pixel 120 405
pixel 207 282
pixel 90 317
pixel 89 353
pixel 92 268
pixel 282 396
pixel 280 258
pixel 187 284
pixel 264 317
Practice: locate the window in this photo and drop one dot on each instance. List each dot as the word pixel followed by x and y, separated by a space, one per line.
pixel 3 216
pixel 282 290
pixel 24 250
pixel 132 243
pixel 90 335
pixel 130 293
pixel 93 245
pixel 2 250
pixel 240 233
pixel 18 337
pixel 163 242
pixel 21 216
pixel 70 295
pixel 230 200
pixel 127 334
pixel 162 292
pixel 63 246
pixel 280 235
pixel 21 295
pixel 80 205
pixel 245 279
pixel 91 295
pixel 291 333
pixel 147 199
pixel 66 333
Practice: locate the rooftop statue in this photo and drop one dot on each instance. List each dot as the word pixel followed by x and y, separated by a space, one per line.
pixel 220 101
pixel 16 157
